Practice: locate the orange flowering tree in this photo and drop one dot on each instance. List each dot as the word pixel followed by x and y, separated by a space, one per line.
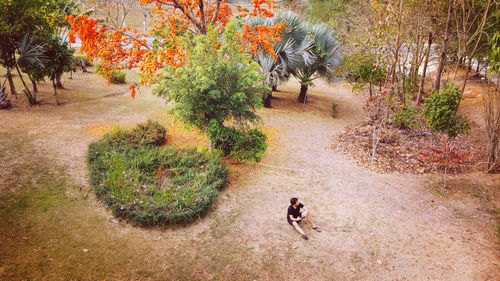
pixel 116 48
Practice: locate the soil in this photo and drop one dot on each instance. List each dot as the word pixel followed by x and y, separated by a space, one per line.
pixel 375 226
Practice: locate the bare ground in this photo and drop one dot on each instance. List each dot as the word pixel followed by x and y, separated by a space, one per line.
pixel 375 226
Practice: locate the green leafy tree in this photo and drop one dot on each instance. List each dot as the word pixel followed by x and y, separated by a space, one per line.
pixel 59 61
pixel 440 111
pixel 218 83
pixel 38 18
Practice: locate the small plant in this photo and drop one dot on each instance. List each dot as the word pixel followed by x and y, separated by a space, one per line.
pixel 405 118
pixel 118 77
pixel 440 110
pixel 239 144
pixel 335 110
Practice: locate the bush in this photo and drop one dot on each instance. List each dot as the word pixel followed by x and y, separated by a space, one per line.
pixel 118 77
pixel 405 118
pixel 241 145
pixel 149 133
pixel 335 110
pixel 79 58
pixel 440 111
pixel 152 185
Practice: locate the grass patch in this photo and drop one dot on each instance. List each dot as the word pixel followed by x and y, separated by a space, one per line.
pixel 152 185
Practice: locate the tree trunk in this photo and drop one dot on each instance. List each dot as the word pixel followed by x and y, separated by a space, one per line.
pixel 275 88
pixel 471 55
pixel 415 65
pixel 426 60
pixel 84 67
pixel 303 93
pixel 266 100
pixel 26 89
pixel 35 88
pixel 59 84
pixel 398 39
pixel 11 82
pixel 54 84
pixel 442 58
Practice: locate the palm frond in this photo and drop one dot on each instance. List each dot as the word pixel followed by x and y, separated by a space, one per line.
pixel 31 54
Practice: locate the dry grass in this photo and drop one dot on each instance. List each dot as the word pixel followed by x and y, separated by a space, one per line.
pixel 53 228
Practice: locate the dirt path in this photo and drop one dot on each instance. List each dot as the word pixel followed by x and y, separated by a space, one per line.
pixel 375 227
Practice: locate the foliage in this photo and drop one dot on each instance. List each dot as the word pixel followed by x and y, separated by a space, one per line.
pixel 446 156
pixel 494 65
pixel 153 185
pixel 218 83
pixel 367 74
pixel 239 144
pixel 405 118
pixel 335 110
pixel 277 67
pixel 57 59
pixel 440 111
pixel 319 56
pixel 19 18
pixel 36 20
pixel 120 47
pixel 118 77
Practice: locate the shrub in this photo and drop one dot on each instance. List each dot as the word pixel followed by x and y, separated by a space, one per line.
pixel 405 118
pixel 217 83
pixel 149 133
pixel 118 77
pixel 440 111
pixel 335 110
pixel 152 185
pixel 78 58
pixel 239 144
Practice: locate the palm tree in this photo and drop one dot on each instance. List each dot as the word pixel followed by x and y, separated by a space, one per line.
pixel 319 56
pixel 30 55
pixel 278 69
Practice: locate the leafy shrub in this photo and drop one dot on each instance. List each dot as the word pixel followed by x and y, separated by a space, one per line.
pixel 152 185
pixel 79 58
pixel 366 74
pixel 440 111
pixel 334 110
pixel 405 118
pixel 241 145
pixel 118 77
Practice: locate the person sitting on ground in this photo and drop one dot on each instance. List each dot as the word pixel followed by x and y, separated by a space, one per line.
pixel 294 216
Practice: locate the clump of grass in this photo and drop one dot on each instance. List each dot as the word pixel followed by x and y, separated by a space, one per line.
pixel 152 185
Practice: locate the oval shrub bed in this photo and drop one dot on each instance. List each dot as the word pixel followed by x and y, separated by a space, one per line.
pixel 150 184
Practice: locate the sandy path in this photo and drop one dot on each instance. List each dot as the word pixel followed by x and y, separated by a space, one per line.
pixel 375 227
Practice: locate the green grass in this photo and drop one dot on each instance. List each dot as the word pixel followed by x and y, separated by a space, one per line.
pixel 152 185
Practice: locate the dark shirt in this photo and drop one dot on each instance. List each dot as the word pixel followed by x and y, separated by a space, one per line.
pixel 294 212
